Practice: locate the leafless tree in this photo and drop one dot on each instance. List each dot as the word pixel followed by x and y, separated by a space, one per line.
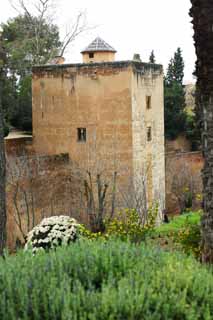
pixel 37 13
pixel 100 195
pixel 44 11
pixel 108 190
pixel 109 185
pixel 134 194
pixel 73 30
pixel 37 188
pixel 185 186
pixel 21 175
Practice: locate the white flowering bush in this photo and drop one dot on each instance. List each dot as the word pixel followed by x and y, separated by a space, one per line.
pixel 52 232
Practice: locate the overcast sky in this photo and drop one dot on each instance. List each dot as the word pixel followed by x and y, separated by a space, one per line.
pixel 136 26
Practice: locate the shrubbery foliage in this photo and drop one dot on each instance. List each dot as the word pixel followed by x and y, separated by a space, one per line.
pixel 184 232
pixel 189 238
pixel 25 48
pixel 104 280
pixel 174 97
pixel 52 232
pixel 126 225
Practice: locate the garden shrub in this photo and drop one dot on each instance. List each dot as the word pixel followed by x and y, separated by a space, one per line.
pixel 52 232
pixel 189 238
pixel 177 223
pixel 89 235
pixel 128 224
pixel 104 281
pixel 183 231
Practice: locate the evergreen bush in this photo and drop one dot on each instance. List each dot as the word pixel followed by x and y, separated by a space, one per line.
pixel 183 233
pixel 102 281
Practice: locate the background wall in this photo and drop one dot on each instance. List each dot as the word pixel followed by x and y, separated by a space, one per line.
pixel 51 185
pixel 183 176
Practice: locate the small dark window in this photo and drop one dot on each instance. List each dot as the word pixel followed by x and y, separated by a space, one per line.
pixel 148 102
pixel 149 133
pixel 91 55
pixel 82 134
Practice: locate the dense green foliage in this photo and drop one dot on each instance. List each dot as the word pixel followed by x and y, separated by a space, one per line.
pixel 192 131
pixel 22 116
pixel 178 223
pixel 9 99
pixel 182 233
pixel 27 41
pixel 174 97
pixel 105 280
pixel 175 72
pixel 189 239
pixel 175 117
pixel 3 84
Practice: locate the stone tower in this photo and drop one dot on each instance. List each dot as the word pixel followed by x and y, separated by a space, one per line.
pixel 105 114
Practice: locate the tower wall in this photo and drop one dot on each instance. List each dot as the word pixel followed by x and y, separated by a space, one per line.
pixel 102 56
pixel 148 119
pixel 108 100
pixel 94 97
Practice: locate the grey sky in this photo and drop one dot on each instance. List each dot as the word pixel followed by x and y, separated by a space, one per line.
pixel 136 26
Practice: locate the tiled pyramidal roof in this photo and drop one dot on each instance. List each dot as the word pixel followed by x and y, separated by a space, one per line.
pixel 98 45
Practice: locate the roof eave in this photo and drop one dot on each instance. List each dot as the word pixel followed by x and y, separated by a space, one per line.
pixel 93 51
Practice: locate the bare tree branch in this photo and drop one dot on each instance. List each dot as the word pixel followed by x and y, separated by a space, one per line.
pixel 43 11
pixel 75 29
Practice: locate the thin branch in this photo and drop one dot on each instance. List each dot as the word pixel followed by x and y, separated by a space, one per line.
pixel 79 27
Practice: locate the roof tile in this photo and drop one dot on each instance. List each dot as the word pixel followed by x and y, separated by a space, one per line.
pixel 98 45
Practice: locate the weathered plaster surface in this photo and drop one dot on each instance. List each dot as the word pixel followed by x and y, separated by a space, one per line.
pixel 109 100
pixel 149 156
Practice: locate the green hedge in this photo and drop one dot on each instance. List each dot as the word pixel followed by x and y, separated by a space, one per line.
pixel 182 233
pixel 178 223
pixel 104 280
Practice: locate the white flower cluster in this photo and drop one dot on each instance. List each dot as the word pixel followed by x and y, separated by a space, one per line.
pixel 52 232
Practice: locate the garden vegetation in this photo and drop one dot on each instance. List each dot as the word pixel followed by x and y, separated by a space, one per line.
pixel 104 280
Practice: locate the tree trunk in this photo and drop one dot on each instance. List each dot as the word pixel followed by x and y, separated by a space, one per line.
pixel 202 14
pixel 3 217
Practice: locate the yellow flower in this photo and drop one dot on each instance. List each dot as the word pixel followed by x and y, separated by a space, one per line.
pixel 185 189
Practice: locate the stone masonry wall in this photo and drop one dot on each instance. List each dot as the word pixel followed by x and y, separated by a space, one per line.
pixel 96 97
pixel 52 185
pixel 107 99
pixel 19 146
pixel 38 186
pixel 148 156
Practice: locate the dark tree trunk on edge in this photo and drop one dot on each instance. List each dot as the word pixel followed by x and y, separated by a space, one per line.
pixel 202 14
pixel 3 217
